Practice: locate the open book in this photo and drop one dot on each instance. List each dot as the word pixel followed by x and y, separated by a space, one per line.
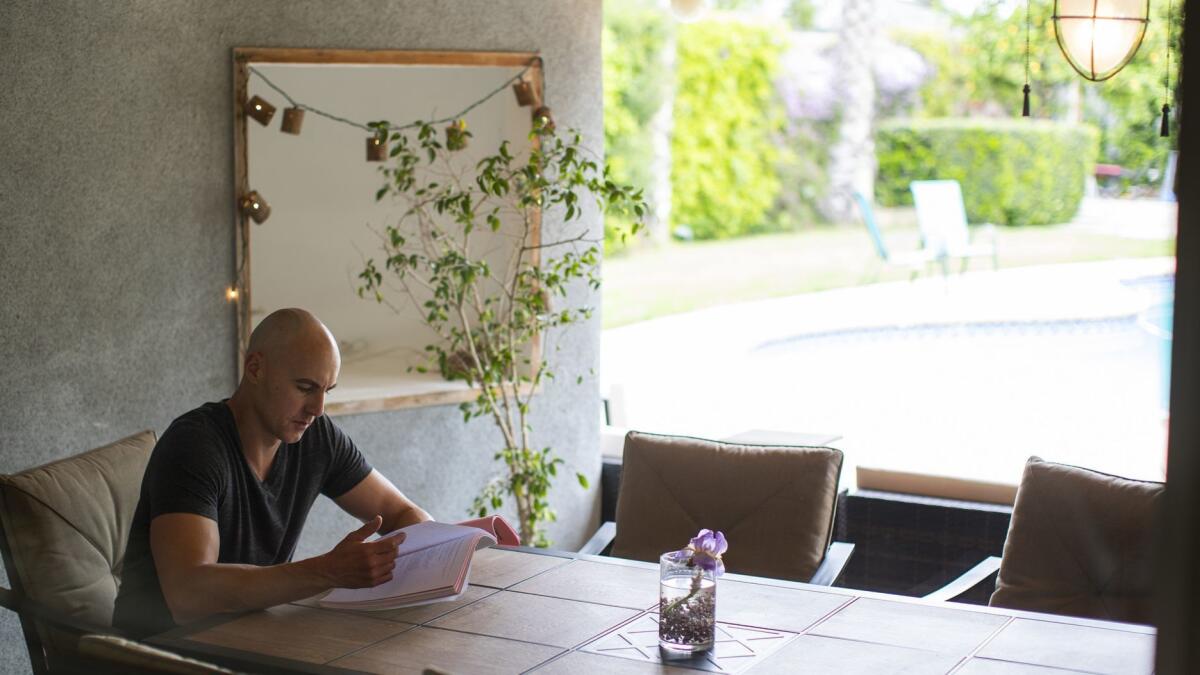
pixel 433 563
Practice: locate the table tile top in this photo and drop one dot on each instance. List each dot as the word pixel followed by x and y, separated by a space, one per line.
pixel 815 655
pixel 501 568
pixel 327 635
pixel 1061 645
pixel 773 606
pixel 990 667
pixel 452 652
pixel 736 648
pixel 569 615
pixel 580 662
pixel 535 618
pixel 603 583
pixel 930 627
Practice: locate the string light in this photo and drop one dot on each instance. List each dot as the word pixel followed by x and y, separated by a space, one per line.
pixel 377 147
pixel 526 96
pixel 293 119
pixel 255 207
pixel 456 135
pixel 519 77
pixel 543 121
pixel 258 108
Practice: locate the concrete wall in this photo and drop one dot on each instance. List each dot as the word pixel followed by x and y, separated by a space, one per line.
pixel 116 198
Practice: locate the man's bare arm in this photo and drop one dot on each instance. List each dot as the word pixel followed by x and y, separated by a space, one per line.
pixel 376 496
pixel 195 585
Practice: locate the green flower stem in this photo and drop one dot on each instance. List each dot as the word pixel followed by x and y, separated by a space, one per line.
pixel 697 578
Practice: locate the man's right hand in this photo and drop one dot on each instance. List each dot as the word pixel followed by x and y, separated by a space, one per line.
pixel 356 563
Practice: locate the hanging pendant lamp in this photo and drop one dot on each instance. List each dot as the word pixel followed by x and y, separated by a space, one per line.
pixel 689 10
pixel 1099 37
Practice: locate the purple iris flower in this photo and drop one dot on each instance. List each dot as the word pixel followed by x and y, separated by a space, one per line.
pixel 707 548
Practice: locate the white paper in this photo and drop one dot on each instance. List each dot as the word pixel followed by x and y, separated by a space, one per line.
pixel 430 558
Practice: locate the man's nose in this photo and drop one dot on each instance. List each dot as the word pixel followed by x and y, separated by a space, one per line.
pixel 316 404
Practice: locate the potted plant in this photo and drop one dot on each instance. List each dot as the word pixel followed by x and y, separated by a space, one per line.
pixel 489 317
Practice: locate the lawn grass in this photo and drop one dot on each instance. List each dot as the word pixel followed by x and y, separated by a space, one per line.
pixel 678 277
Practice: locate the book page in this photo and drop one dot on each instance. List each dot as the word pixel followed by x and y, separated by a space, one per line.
pixel 433 557
pixel 423 535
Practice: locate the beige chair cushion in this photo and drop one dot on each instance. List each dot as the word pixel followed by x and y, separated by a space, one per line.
pixel 1079 544
pixel 67 523
pixel 775 504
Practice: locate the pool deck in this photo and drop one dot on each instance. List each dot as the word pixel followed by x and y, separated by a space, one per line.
pixel 653 368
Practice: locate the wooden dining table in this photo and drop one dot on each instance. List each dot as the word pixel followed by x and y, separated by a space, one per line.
pixel 550 612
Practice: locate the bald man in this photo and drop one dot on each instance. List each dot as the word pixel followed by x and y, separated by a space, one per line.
pixel 229 485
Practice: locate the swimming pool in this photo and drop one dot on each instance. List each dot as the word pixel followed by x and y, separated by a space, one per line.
pixel 970 399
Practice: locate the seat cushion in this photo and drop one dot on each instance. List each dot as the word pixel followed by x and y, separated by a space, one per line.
pixel 775 504
pixel 67 523
pixel 1079 544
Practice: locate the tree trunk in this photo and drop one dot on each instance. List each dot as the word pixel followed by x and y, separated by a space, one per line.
pixel 852 159
pixel 658 193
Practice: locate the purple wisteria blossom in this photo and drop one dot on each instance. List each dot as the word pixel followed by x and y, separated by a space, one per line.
pixel 809 81
pixel 707 548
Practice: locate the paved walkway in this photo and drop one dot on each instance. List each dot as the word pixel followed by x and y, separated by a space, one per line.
pixel 965 376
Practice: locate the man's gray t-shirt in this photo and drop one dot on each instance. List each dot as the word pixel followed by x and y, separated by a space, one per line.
pixel 198 467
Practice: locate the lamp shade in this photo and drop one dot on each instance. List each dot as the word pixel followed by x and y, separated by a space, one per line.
pixel 689 10
pixel 1099 37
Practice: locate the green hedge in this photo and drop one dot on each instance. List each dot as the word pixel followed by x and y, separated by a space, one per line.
pixel 1012 172
pixel 728 118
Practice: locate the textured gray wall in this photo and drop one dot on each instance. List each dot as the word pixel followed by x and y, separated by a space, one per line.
pixel 116 198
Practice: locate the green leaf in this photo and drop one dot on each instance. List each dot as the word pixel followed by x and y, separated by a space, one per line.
pixel 583 481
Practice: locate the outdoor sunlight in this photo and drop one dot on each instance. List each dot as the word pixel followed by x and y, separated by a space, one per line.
pixel 789 282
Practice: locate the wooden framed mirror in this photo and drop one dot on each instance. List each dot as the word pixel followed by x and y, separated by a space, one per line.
pixel 324 220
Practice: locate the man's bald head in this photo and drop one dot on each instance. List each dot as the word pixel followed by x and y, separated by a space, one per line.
pixel 289 330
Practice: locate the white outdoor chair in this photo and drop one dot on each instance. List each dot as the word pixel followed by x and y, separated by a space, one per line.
pixel 943 223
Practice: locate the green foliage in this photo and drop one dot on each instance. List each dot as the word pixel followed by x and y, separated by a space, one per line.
pixel 800 14
pixel 727 119
pixel 1127 108
pixel 983 72
pixel 636 80
pixel 1012 172
pixel 488 319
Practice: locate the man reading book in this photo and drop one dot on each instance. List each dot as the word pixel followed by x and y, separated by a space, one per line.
pixel 229 485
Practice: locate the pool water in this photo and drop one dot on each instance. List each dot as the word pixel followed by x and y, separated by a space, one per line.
pixel 967 400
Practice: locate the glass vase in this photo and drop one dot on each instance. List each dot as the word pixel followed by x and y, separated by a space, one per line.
pixel 687 604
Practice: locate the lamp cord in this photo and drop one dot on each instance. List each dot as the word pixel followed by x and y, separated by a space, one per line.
pixel 1164 129
pixel 389 126
pixel 1167 73
pixel 1026 89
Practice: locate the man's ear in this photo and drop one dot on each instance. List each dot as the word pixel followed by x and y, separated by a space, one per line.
pixel 254 366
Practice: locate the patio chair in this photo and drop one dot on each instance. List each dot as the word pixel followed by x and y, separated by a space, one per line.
pixel 943 223
pixel 63 530
pixel 1079 544
pixel 775 504
pixel 112 655
pixel 914 261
